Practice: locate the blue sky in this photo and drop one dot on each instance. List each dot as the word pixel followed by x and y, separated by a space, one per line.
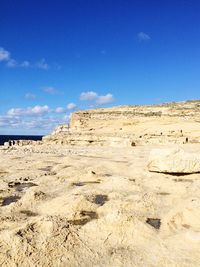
pixel 60 56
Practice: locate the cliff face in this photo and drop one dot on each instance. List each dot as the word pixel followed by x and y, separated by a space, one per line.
pixel 176 122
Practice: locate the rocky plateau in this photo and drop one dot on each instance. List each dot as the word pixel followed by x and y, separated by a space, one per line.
pixel 116 187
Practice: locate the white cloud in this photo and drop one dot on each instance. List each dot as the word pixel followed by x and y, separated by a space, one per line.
pixel 60 110
pixel 12 63
pixel 15 112
pixel 104 99
pixel 42 64
pixel 71 106
pixel 30 96
pixel 30 111
pixel 142 36
pixel 39 109
pixel 4 54
pixel 99 99
pixel 88 96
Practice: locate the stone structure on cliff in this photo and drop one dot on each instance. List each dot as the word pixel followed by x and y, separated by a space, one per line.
pixel 176 122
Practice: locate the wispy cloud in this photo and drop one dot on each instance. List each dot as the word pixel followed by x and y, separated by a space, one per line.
pixel 51 90
pixel 143 37
pixel 98 99
pixel 4 54
pixel 60 110
pixel 42 64
pixel 30 96
pixel 25 64
pixel 71 106
pixel 10 62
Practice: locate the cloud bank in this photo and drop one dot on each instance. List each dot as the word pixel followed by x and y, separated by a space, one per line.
pixel 34 119
pixel 42 118
pixel 37 110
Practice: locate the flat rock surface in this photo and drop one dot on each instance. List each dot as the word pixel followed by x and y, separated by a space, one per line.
pixel 96 206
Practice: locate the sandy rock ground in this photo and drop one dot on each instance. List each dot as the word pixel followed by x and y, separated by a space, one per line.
pixel 95 206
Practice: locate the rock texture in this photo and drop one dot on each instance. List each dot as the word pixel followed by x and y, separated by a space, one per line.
pixel 174 161
pixel 124 126
pixel 95 206
pixel 76 199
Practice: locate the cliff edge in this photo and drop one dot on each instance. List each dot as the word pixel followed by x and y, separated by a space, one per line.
pixel 175 122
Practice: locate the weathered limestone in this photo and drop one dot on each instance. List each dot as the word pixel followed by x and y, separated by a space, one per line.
pixel 98 205
pixel 126 126
pixel 175 161
pixel 61 129
pixel 176 123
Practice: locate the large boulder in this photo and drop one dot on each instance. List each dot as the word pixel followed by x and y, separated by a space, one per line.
pixel 173 161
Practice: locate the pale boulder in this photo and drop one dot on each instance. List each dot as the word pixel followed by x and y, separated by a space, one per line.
pixel 173 161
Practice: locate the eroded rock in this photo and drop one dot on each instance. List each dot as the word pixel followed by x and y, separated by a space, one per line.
pixel 174 161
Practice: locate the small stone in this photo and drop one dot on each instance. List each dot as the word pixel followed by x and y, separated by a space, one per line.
pixel 154 222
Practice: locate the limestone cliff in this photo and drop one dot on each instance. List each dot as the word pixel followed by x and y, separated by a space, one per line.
pixel 176 122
